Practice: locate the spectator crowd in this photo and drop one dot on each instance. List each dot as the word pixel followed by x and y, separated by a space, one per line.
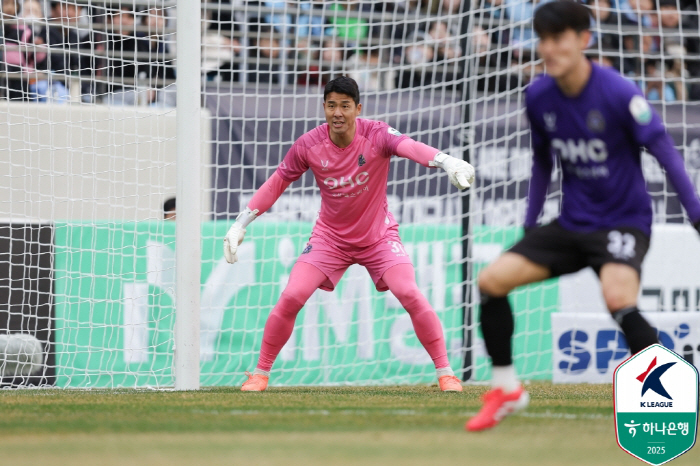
pixel 123 52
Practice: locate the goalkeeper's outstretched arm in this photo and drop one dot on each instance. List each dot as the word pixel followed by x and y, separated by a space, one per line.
pixel 261 202
pixel 460 173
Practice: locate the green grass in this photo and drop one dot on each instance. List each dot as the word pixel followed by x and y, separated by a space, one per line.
pixel 565 425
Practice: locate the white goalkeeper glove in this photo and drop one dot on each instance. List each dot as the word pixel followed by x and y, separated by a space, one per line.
pixel 235 234
pixel 460 173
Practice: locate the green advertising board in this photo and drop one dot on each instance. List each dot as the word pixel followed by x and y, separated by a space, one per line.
pixel 115 292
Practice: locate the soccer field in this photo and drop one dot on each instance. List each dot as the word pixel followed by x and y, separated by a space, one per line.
pixel 412 425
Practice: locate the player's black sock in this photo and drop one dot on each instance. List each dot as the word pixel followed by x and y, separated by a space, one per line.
pixel 638 332
pixel 497 327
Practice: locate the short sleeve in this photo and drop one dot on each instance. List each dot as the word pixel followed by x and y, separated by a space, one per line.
pixel 294 163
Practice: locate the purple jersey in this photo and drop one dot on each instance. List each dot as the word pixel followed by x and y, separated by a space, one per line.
pixel 597 136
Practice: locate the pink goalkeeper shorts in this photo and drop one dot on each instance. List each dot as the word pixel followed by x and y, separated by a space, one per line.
pixel 333 259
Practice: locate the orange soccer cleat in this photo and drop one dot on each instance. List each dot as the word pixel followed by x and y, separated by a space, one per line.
pixel 497 405
pixel 450 383
pixel 255 383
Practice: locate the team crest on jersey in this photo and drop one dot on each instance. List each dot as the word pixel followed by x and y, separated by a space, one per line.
pixel 550 121
pixel 393 131
pixel 307 249
pixel 595 121
pixel 361 161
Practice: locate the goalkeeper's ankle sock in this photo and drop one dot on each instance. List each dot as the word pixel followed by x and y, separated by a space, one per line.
pixel 638 332
pixel 261 372
pixel 497 327
pixel 504 377
pixel 444 371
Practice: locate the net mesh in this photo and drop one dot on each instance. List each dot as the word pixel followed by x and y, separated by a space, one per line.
pixel 87 259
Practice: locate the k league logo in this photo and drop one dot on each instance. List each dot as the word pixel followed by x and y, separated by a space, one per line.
pixel 656 405
pixel 652 379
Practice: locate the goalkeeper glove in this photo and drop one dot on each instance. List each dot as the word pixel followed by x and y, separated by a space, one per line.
pixel 235 234
pixel 460 173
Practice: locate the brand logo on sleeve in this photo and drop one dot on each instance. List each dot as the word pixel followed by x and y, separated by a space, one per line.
pixel 393 131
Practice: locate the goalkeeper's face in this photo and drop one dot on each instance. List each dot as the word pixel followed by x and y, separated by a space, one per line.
pixel 562 52
pixel 341 112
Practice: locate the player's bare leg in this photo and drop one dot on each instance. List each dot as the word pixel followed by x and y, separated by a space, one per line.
pixel 620 286
pixel 497 325
pixel 303 281
pixel 402 283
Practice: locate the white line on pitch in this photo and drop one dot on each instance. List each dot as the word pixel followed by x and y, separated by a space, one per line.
pixel 392 412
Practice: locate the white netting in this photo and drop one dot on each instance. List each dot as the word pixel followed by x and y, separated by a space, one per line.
pixel 88 133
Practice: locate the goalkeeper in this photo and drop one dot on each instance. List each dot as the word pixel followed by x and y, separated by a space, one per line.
pixel 349 157
pixel 595 122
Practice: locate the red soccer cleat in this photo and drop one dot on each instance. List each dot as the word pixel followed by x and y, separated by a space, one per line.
pixel 497 405
pixel 255 383
pixel 450 383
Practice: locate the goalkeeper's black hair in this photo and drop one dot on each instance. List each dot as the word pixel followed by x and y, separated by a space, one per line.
pixel 559 15
pixel 343 85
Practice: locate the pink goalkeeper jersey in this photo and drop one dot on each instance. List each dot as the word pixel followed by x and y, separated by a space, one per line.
pixel 353 180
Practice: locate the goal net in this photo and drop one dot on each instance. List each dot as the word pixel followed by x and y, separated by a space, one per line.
pixel 87 258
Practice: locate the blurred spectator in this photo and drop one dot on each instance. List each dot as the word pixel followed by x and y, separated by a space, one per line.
pixel 685 43
pixel 43 87
pixel 266 53
pixel 636 12
pixel 521 12
pixel 121 47
pixel 311 25
pixel 20 55
pixel 371 70
pixel 655 87
pixel 220 53
pixel 447 46
pixel 169 209
pixel 348 27
pixel 324 62
pixel 604 15
pixel 72 48
pixel 159 64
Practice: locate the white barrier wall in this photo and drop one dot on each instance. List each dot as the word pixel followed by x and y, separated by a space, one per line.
pixel 586 340
pixel 90 162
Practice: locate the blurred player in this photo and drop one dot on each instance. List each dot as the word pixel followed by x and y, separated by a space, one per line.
pixel 349 158
pixel 595 122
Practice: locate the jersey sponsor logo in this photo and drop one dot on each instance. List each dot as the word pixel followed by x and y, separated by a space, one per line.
pixel 640 110
pixel 324 165
pixel 359 180
pixel 595 121
pixel 550 121
pixel 581 150
pixel 393 131
pixel 361 161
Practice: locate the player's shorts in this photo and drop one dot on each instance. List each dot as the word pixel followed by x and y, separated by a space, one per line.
pixel 333 259
pixel 564 251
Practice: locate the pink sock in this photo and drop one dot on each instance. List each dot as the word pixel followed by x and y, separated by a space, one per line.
pixel 303 281
pixel 402 282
